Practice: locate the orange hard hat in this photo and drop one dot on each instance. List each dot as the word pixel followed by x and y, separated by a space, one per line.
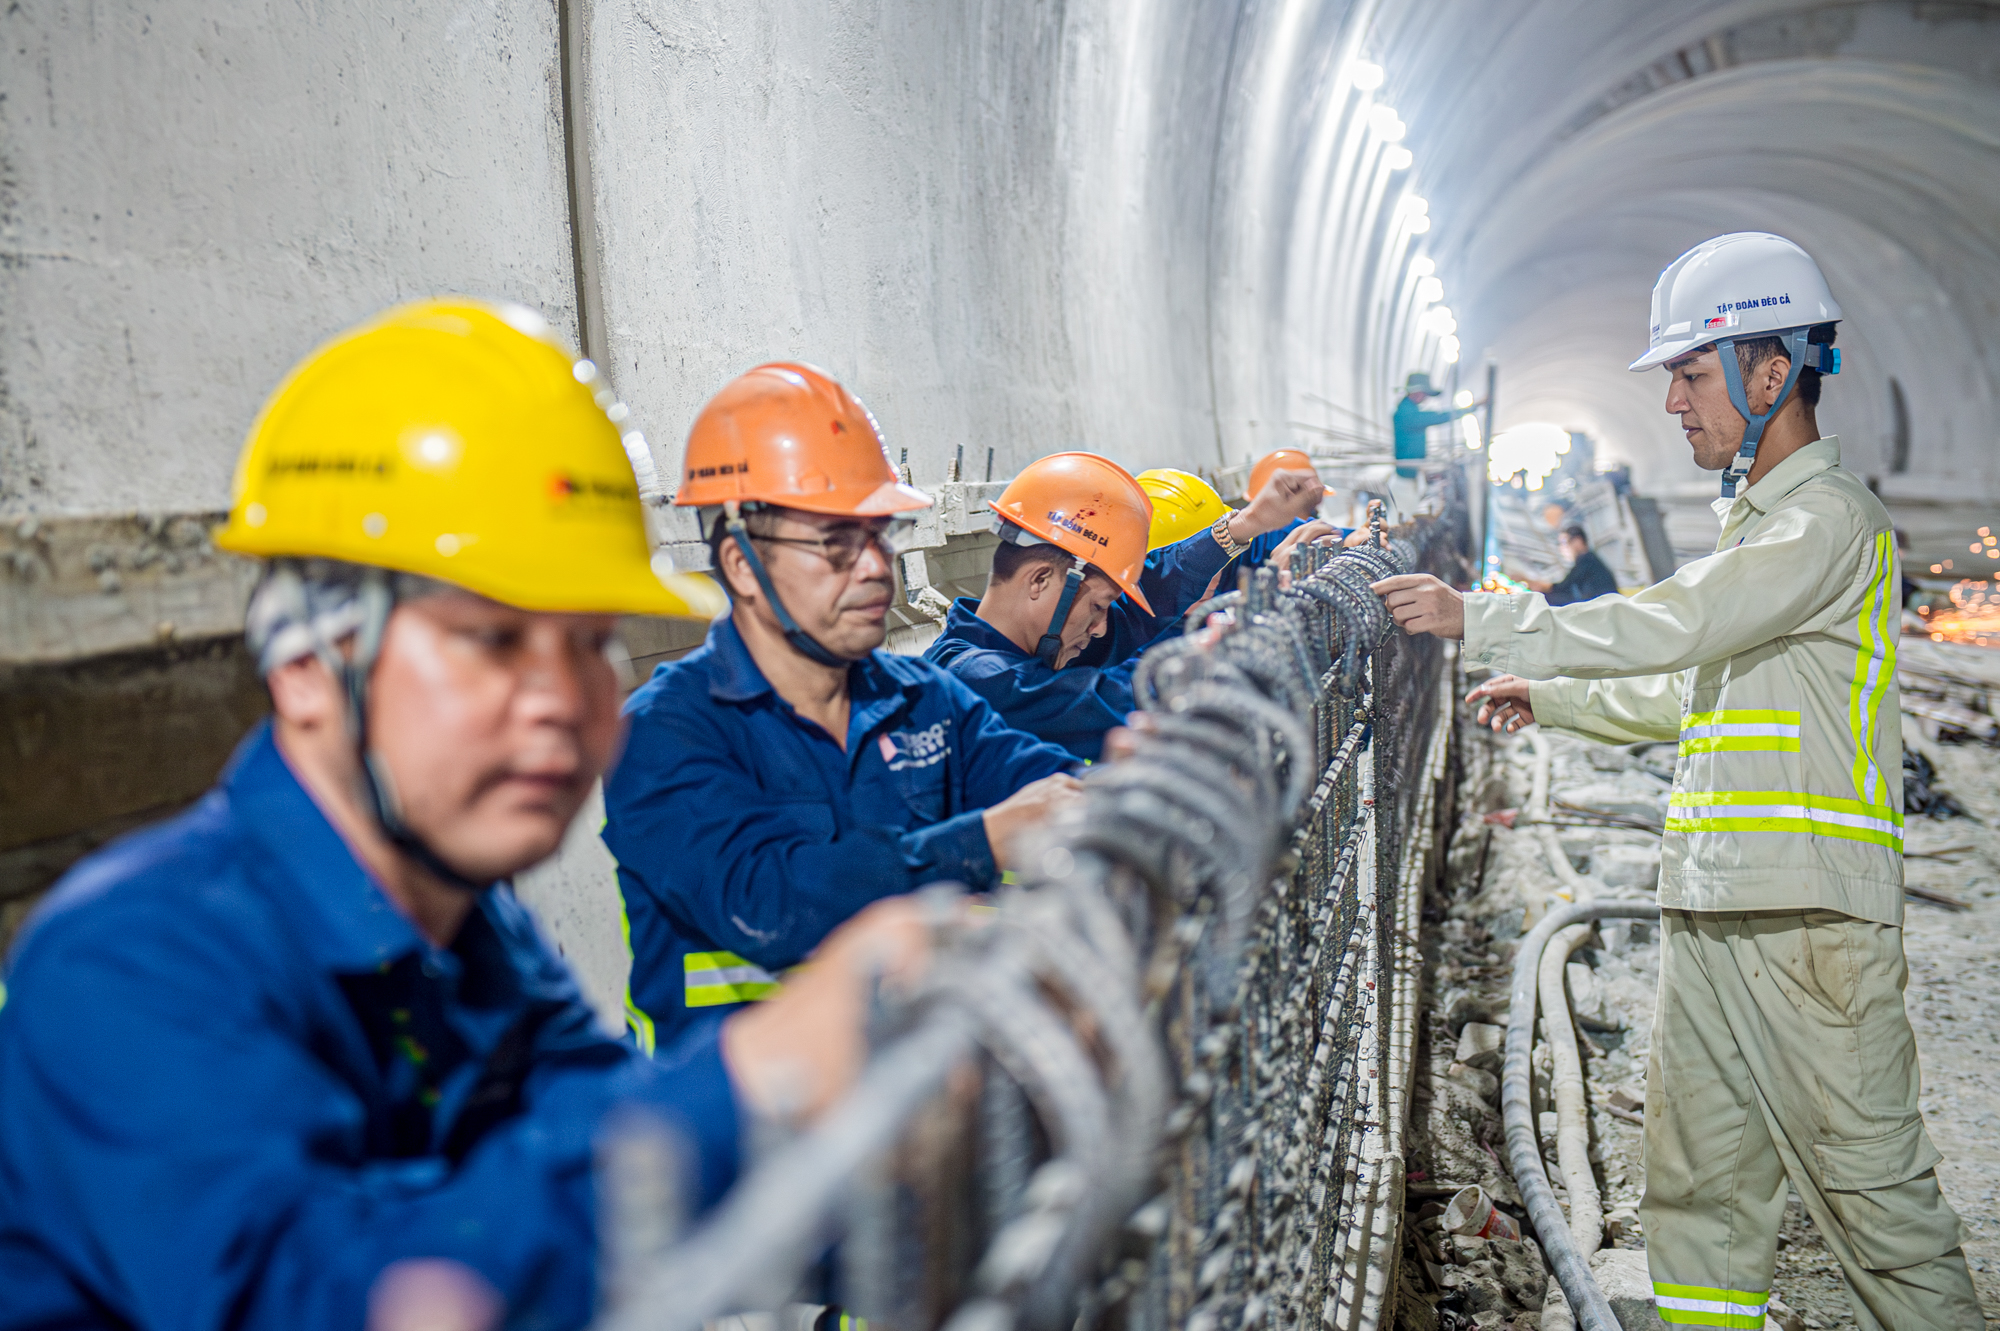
pixel 788 434
pixel 1283 459
pixel 1089 506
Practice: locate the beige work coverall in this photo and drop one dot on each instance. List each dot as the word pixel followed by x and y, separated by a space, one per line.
pixel 1781 1048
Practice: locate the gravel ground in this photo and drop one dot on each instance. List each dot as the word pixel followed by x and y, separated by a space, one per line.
pixel 1493 873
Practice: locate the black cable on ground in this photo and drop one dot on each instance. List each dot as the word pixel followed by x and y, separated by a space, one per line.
pixel 1524 1151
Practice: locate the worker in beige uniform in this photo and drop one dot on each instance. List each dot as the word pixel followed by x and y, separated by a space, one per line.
pixel 1781 1049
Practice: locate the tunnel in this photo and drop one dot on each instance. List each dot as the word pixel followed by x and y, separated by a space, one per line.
pixel 1174 233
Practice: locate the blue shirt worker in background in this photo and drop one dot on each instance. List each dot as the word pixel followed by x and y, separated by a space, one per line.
pixel 1588 577
pixel 787 773
pixel 1413 423
pixel 1071 600
pixel 297 1059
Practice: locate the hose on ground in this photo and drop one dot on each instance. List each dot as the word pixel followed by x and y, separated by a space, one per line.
pixel 1586 1207
pixel 1524 1152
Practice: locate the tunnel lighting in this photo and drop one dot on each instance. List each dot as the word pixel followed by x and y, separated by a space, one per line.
pixel 1448 348
pixel 1535 449
pixel 1429 290
pixel 1469 426
pixel 1398 158
pixel 1387 126
pixel 1413 203
pixel 1423 265
pixel 1365 75
pixel 1419 225
pixel 1463 397
pixel 1440 320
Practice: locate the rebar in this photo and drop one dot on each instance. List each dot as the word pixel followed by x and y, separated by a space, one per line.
pixel 1163 1056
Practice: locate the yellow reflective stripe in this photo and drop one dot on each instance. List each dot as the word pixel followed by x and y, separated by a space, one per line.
pixel 1742 730
pixel 1686 799
pixel 711 979
pixel 1741 744
pixel 1798 826
pixel 1874 668
pixel 1746 716
pixel 1698 1305
pixel 636 1019
pixel 1785 811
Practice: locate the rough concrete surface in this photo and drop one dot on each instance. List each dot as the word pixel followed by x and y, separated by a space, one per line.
pixel 1494 874
pixel 193 196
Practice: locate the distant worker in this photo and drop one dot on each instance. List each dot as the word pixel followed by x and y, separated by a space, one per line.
pixel 788 772
pixel 298 1050
pixel 1781 1050
pixel 1413 423
pixel 1588 577
pixel 1074 597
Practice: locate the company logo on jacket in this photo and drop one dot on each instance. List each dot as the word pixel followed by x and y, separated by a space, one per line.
pixel 905 749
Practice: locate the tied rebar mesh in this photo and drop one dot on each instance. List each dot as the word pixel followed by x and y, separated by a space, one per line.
pixel 1139 1091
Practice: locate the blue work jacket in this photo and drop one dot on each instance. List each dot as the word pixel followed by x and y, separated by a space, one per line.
pixel 236 1083
pixel 1076 705
pixel 1413 425
pixel 745 835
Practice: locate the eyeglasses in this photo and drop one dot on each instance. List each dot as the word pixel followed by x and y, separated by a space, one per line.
pixel 841 546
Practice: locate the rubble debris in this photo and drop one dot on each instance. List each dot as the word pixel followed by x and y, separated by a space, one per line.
pixel 1922 792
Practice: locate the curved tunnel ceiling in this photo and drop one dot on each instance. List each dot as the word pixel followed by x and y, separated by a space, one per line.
pixel 1566 153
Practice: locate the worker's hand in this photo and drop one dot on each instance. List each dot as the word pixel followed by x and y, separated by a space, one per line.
pixel 1030 806
pixel 1359 536
pixel 797 1052
pixel 1537 585
pixel 1287 495
pixel 1316 531
pixel 1423 604
pixel 1503 703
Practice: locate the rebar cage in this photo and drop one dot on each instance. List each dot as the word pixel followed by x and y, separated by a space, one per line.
pixel 1160 1083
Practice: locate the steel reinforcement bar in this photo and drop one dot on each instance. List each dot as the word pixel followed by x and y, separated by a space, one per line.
pixel 1162 1083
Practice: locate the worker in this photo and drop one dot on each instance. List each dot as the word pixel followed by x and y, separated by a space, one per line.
pixel 1074 597
pixel 1781 1052
pixel 278 1057
pixel 788 772
pixel 1588 577
pixel 1413 423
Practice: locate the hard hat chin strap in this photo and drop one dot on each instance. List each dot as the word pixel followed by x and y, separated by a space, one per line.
pixel 378 602
pixel 1050 647
pixel 802 642
pixel 1753 424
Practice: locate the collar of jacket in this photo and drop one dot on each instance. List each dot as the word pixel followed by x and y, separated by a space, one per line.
pixel 877 679
pixel 1818 456
pixel 964 623
pixel 346 922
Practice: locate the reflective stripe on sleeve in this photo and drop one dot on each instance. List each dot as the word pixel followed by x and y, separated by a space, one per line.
pixel 1698 1305
pixel 1874 670
pixel 636 1019
pixel 712 979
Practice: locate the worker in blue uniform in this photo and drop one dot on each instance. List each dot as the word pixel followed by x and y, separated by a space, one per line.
pixel 1413 423
pixel 787 773
pixel 298 1052
pixel 1075 596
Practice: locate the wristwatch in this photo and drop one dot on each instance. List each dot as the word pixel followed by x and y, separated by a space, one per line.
pixel 1220 531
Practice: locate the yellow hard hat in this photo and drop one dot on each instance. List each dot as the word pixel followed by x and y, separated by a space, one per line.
pixel 459 440
pixel 1183 504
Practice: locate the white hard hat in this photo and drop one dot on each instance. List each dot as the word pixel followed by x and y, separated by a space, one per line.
pixel 1745 284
